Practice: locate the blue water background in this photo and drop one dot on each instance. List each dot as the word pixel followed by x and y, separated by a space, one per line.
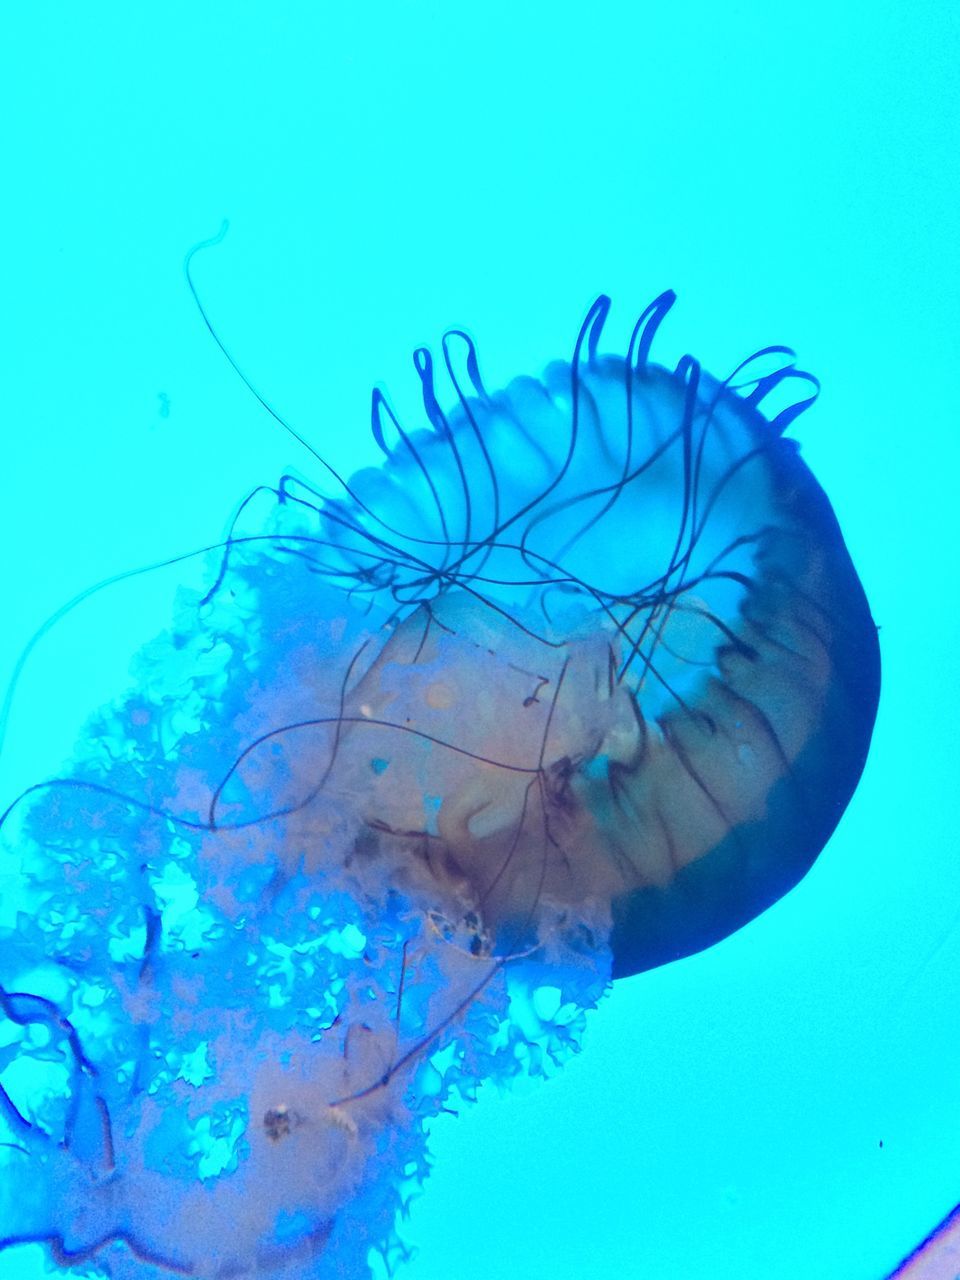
pixel 787 1104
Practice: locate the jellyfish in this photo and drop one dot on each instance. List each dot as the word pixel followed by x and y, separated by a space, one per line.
pixel 575 683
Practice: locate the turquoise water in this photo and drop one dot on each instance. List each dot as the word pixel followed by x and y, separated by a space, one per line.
pixel 788 1103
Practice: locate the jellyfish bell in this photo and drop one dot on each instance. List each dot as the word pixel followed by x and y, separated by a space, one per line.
pixel 577 682
pixel 637 674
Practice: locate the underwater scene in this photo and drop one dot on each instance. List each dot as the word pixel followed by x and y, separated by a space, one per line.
pixel 478 786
